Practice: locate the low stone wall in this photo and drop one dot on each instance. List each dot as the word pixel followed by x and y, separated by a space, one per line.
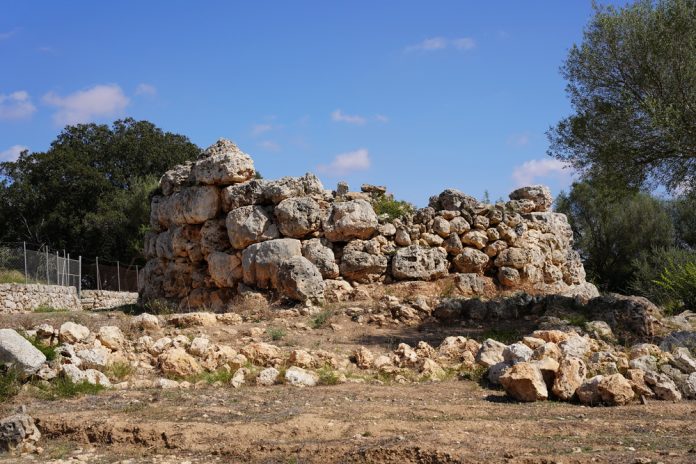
pixel 20 297
pixel 103 299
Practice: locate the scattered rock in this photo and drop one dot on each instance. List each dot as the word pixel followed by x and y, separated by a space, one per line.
pixel 16 350
pixel 524 382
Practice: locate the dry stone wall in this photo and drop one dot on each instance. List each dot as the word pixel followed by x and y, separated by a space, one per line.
pixel 104 299
pixel 217 231
pixel 20 297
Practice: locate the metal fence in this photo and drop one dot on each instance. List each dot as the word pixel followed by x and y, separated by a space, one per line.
pixel 21 264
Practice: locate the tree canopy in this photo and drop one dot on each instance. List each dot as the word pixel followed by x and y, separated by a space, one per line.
pixel 632 86
pixel 89 193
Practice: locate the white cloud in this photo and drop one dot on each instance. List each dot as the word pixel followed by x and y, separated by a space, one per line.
pixel 340 116
pixel 12 153
pixel 519 140
pixel 441 43
pixel 530 171
pixel 146 90
pixel 269 145
pixel 16 105
pixel 381 118
pixel 258 129
pixel 86 105
pixel 346 163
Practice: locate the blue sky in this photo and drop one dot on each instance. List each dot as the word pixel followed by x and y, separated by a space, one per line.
pixel 418 96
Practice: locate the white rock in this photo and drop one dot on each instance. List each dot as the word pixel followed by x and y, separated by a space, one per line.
pixel 111 337
pixel 90 376
pixel 16 350
pixel 145 321
pixel 301 377
pixel 267 377
pixel 71 332
pixel 517 353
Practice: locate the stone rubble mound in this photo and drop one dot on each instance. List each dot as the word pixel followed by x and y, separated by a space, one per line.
pixel 218 231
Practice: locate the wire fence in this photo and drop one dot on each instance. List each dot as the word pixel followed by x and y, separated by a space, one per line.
pixel 21 264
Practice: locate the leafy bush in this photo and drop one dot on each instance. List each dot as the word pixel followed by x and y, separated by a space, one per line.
pixel 276 333
pixel 395 209
pixel 321 319
pixel 119 370
pixel 651 268
pixel 679 282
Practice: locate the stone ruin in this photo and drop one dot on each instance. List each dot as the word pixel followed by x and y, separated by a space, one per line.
pixel 219 232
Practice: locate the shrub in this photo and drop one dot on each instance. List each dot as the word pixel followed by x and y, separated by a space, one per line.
pixel 275 333
pixel 119 370
pixel 395 209
pixel 327 376
pixel 661 275
pixel 10 276
pixel 321 319
pixel 49 309
pixel 679 282
pixel 63 387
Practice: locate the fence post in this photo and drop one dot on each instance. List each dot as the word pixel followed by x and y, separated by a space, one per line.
pixel 79 276
pixel 98 281
pixel 26 274
pixel 57 270
pixel 137 279
pixel 48 280
pixel 118 275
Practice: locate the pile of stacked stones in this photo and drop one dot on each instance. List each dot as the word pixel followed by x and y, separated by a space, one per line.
pixel 217 231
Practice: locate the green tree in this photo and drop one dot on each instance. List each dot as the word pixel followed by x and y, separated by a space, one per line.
pixel 612 228
pixel 89 193
pixel 632 85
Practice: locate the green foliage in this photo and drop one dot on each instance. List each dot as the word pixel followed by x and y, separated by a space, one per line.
pixel 47 350
pixel 611 228
pixel 221 375
pixel 276 333
pixel 89 192
pixel 321 319
pixel 632 85
pixel 679 282
pixel 49 309
pixel 327 376
pixel 502 335
pixel 159 307
pixel 63 387
pixel 10 276
pixel 476 373
pixel 395 209
pixel 119 371
pixel 10 383
pixel 648 268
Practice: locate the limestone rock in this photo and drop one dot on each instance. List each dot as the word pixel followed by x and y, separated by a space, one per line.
pixel 248 225
pixel 198 319
pixel 569 377
pixel 663 386
pixel 71 332
pixel 91 376
pixel 301 358
pixel 517 353
pixel 298 217
pixel 496 371
pixel 94 358
pixel 223 163
pixel 322 256
pixel 508 276
pixel 239 377
pixel 491 353
pixel 615 390
pixel 192 205
pixel 475 238
pixel 111 337
pixel 540 195
pixel 145 321
pixel 417 263
pixel 16 350
pixel 524 382
pixel 260 261
pixel 225 269
pixel 300 280
pixel 588 392
pixel 267 377
pixel 173 179
pixel 177 362
pixel 300 377
pixel 261 353
pixel 452 200
pixel 362 267
pixel 363 358
pixel 18 432
pixel 471 260
pixel 350 220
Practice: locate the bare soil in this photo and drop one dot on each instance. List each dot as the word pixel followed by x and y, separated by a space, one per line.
pixel 455 421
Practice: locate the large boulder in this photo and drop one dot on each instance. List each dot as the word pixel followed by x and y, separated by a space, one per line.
pixel 191 205
pixel 471 260
pixel 490 353
pixel 540 196
pixel 300 280
pixel 71 332
pixel 175 178
pixel 248 225
pixel 453 200
pixel 318 252
pixel 524 382
pixel 225 270
pixel 627 315
pixel 418 263
pixel 176 362
pixel 569 377
pixel 361 266
pixel 223 163
pixel 17 351
pixel 18 433
pixel 615 390
pixel 214 236
pixel 276 191
pixel 298 217
pixel 300 377
pixel 260 261
pixel 349 220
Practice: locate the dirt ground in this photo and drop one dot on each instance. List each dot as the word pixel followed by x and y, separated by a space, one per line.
pixel 447 422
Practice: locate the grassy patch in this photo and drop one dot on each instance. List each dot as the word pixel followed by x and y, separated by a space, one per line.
pixel 506 336
pixel 576 319
pixel 276 333
pixel 49 309
pixel 160 306
pixel 119 371
pixel 10 276
pixel 221 375
pixel 327 376
pixel 63 387
pixel 10 384
pixel 321 319
pixel 475 373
